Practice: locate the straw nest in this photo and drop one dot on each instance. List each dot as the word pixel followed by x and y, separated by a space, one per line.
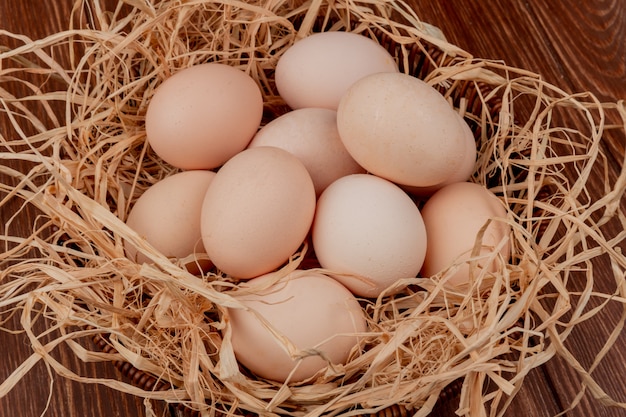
pixel 78 138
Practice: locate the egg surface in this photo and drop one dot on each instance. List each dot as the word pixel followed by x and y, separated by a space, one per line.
pixel 462 173
pixel 202 115
pixel 314 312
pixel 454 216
pixel 400 128
pixel 369 233
pixel 167 215
pixel 311 135
pixel 257 211
pixel 317 70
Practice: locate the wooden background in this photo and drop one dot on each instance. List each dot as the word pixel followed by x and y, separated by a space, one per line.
pixel 578 46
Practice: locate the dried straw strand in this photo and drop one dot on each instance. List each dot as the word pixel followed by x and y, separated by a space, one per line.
pixel 90 163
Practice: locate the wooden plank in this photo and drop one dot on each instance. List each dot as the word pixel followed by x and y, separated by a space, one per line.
pixel 41 390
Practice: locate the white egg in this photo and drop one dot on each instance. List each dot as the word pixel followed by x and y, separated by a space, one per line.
pixel 369 233
pixel 316 71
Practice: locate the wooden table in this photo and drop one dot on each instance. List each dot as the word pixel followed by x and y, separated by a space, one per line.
pixel 578 46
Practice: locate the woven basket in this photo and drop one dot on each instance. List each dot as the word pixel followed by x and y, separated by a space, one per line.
pixel 87 177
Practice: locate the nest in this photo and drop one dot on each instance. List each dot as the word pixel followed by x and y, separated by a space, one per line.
pixel 77 159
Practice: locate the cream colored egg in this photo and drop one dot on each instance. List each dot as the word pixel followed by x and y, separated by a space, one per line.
pixel 369 233
pixel 462 174
pixel 454 216
pixel 313 312
pixel 257 211
pixel 400 128
pixel 311 135
pixel 167 215
pixel 317 70
pixel 203 115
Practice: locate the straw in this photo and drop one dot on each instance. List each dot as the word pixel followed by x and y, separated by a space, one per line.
pixel 76 102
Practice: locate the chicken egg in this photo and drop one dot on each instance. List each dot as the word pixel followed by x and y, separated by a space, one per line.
pixel 311 135
pixel 400 128
pixel 463 172
pixel 257 211
pixel 317 70
pixel 167 215
pixel 369 233
pixel 316 314
pixel 203 115
pixel 454 216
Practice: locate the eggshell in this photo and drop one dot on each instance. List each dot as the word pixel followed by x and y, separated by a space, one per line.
pixel 311 135
pixel 314 312
pixel 202 115
pixel 257 211
pixel 462 174
pixel 317 70
pixel 167 215
pixel 453 217
pixel 368 227
pixel 400 128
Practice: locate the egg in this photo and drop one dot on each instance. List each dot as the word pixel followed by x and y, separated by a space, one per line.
pixel 401 129
pixel 257 211
pixel 311 135
pixel 167 215
pixel 320 318
pixel 454 216
pixel 369 233
pixel 203 115
pixel 463 172
pixel 317 70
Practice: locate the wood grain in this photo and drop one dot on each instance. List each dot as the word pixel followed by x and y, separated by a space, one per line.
pixel 576 47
